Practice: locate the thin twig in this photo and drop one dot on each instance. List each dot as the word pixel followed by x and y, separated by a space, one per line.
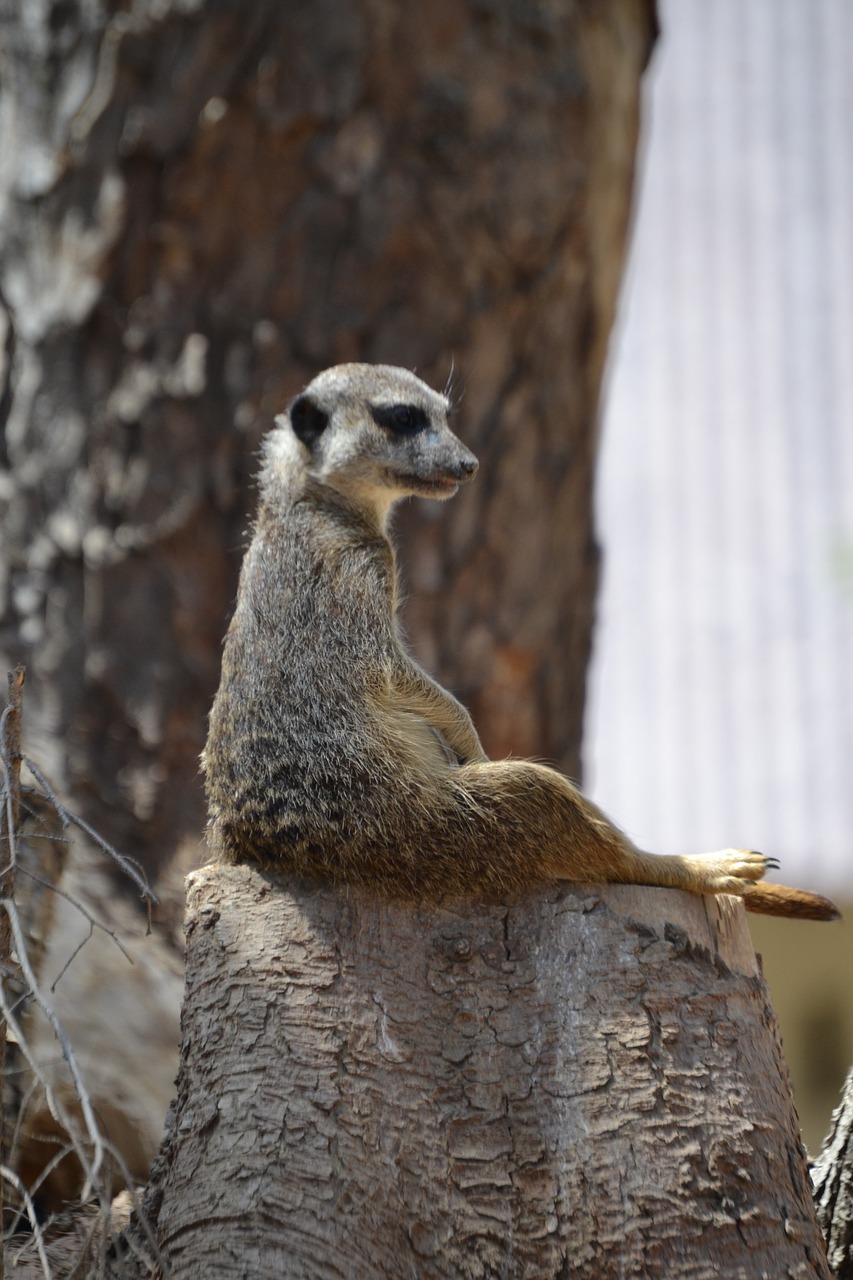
pixel 67 1052
pixel 74 902
pixel 67 817
pixel 104 1198
pixel 74 954
pixel 65 1149
pixel 40 829
pixel 12 1178
pixel 20 1000
pixel 26 1097
pixel 85 1245
pixel 54 1106
pixel 90 1147
pixel 7 830
pixel 10 749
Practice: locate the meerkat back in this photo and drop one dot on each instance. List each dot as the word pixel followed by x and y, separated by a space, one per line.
pixel 309 754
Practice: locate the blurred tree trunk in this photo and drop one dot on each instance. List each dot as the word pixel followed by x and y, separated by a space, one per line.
pixel 202 203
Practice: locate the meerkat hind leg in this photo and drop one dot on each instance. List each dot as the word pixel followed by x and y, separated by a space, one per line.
pixel 727 871
pixel 549 830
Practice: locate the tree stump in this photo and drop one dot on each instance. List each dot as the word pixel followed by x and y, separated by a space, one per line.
pixel 585 1084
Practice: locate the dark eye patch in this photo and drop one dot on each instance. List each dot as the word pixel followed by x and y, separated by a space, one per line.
pixel 402 419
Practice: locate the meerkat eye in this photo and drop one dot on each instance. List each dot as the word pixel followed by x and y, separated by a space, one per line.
pixel 402 419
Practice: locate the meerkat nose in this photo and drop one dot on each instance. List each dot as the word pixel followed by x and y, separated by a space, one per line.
pixel 467 466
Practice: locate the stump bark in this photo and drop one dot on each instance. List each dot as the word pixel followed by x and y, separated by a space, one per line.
pixel 584 1083
pixel 832 1175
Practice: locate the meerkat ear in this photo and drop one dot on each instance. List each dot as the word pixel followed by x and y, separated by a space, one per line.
pixel 308 420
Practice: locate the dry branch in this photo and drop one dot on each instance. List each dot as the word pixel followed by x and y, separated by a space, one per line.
pixel 10 809
pixel 29 820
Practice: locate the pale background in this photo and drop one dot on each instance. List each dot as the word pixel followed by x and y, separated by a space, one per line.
pixel 721 697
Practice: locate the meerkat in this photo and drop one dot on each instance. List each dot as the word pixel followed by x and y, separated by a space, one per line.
pixel 331 753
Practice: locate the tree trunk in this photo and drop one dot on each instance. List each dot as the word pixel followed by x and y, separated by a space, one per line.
pixel 832 1175
pixel 584 1083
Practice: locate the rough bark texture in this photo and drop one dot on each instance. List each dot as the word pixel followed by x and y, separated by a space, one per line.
pixel 832 1175
pixel 584 1084
pixel 203 203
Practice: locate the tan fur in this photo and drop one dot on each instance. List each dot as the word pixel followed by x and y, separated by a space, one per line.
pixel 331 753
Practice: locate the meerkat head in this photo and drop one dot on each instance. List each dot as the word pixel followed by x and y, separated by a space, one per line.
pixel 376 434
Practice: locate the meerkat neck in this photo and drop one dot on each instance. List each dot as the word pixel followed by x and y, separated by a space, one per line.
pixel 285 483
pixel 368 511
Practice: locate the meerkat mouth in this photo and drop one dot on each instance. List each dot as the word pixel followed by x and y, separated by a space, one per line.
pixel 435 487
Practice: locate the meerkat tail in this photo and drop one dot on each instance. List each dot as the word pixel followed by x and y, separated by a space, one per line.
pixel 796 904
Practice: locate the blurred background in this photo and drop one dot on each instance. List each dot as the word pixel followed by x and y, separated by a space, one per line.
pixel 204 202
pixel 721 693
